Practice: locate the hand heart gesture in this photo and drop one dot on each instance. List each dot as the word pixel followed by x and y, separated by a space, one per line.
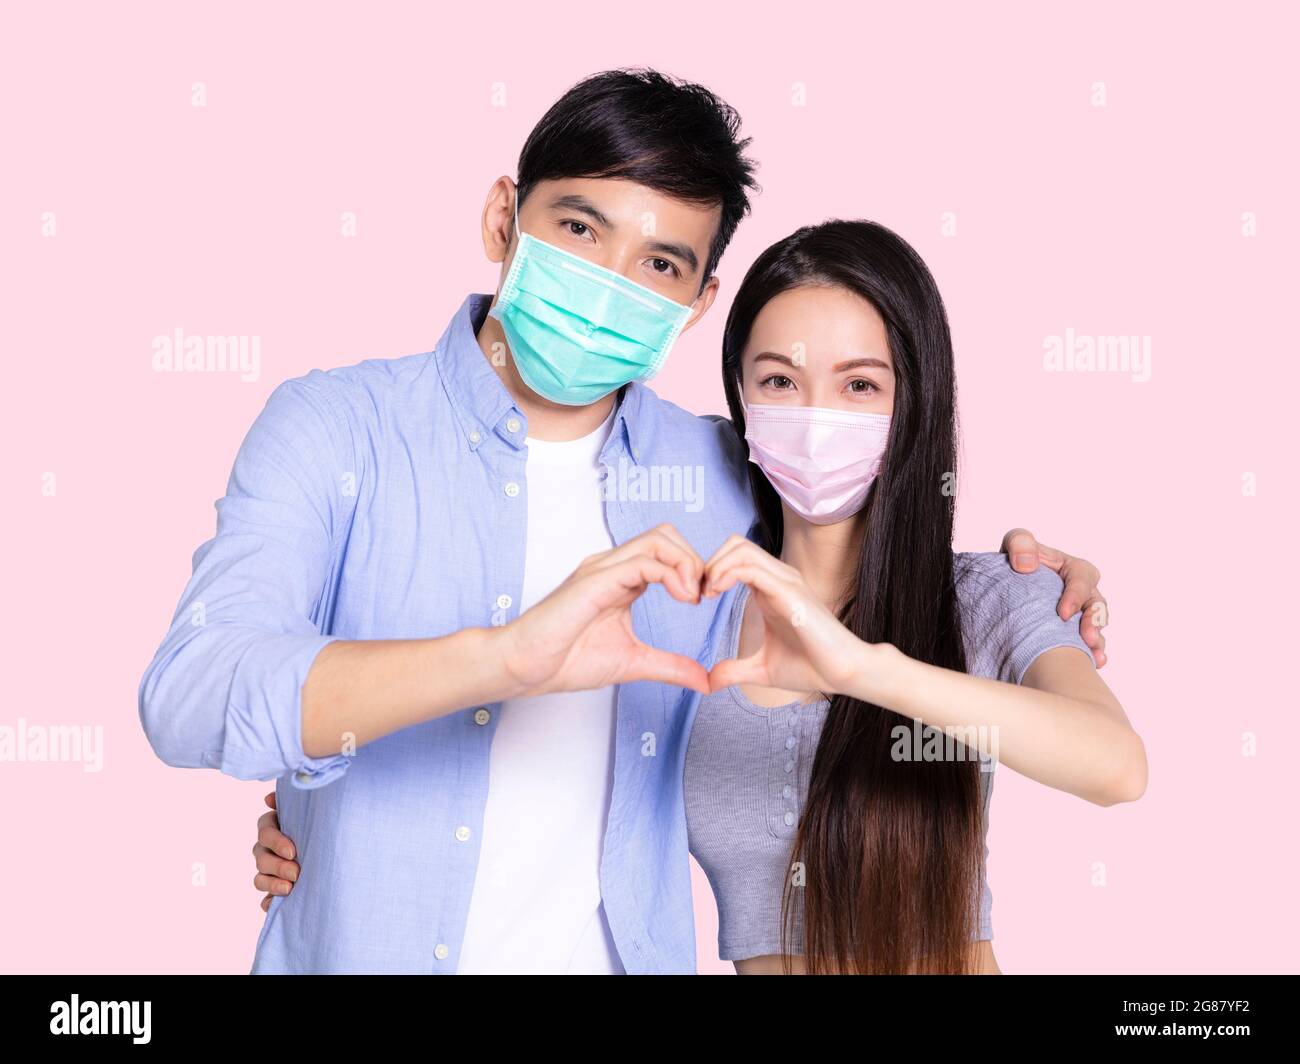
pixel 805 647
pixel 581 636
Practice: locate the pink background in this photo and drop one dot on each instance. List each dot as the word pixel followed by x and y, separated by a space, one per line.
pixel 1124 219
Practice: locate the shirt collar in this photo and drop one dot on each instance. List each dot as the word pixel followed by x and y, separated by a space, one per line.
pixel 628 423
pixel 482 403
pixel 480 400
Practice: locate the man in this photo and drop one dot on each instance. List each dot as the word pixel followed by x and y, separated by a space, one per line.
pixel 467 664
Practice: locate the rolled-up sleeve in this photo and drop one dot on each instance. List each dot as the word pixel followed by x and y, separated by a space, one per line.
pixel 224 690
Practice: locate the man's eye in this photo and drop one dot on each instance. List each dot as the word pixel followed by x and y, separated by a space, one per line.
pixel 662 266
pixel 577 228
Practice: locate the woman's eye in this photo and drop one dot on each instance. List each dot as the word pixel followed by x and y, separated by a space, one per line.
pixel 862 386
pixel 779 381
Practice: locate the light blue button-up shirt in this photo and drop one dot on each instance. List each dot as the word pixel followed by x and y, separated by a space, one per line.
pixel 388 500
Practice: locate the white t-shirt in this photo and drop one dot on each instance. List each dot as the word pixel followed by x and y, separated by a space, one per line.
pixel 536 904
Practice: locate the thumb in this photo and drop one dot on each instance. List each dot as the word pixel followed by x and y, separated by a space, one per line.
pixel 1020 545
pixel 733 671
pixel 664 667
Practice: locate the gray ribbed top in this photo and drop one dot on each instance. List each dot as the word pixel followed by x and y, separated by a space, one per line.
pixel 747 766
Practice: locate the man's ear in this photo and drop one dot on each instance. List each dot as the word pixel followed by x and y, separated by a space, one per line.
pixel 499 220
pixel 703 301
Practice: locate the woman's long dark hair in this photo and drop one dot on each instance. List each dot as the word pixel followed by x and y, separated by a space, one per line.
pixel 890 850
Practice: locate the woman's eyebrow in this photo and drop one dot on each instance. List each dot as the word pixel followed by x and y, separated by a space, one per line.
pixel 772 356
pixel 862 363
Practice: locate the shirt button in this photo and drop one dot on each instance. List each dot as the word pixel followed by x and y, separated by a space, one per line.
pixel 789 819
pixel 512 425
pixel 482 716
pixel 303 777
pixel 440 951
pixel 512 489
pixel 504 602
pixel 475 436
pixel 789 766
pixel 789 743
pixel 462 834
pixel 786 791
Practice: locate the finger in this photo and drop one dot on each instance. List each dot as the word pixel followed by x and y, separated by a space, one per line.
pixel 737 671
pixel 637 573
pixel 1054 559
pixel 270 836
pixel 664 667
pixel 1020 545
pixel 697 563
pixel 738 546
pixel 1072 599
pixel 271 884
pixel 275 865
pixel 1080 586
pixel 617 586
pixel 1096 615
pixel 266 904
pixel 758 577
pixel 270 799
pixel 661 546
pixel 671 547
pixel 732 540
pixel 747 553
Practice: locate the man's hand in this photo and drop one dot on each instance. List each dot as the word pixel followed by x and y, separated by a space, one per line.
pixel 277 872
pixel 1081 585
pixel 580 637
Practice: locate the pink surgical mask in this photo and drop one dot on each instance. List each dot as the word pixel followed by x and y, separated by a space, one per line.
pixel 820 461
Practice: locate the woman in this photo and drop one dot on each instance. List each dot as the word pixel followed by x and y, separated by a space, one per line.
pixel 840 831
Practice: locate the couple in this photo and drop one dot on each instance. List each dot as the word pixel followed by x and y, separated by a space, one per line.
pixel 501 701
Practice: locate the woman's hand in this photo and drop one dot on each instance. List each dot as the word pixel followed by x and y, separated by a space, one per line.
pixel 805 647
pixel 277 871
pixel 580 637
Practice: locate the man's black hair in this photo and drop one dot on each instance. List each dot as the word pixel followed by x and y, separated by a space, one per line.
pixel 673 136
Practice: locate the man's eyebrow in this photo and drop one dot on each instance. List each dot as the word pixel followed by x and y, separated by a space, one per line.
pixel 582 205
pixel 575 202
pixel 681 251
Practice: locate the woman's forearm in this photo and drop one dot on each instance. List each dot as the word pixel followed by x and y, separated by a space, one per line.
pixel 1083 745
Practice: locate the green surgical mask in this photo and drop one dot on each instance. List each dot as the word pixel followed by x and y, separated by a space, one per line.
pixel 578 331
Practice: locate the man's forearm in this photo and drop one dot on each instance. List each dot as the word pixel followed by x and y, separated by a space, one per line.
pixel 359 691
